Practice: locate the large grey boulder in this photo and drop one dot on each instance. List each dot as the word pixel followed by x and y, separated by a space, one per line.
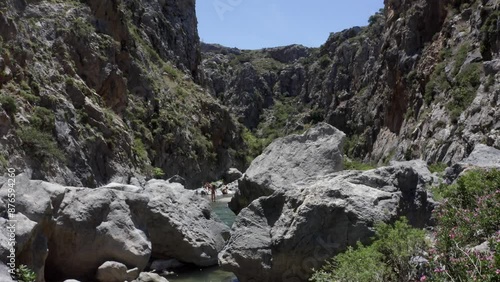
pixel 482 156
pixel 93 226
pixel 35 204
pixel 150 277
pixel 282 237
pixel 291 159
pixel 112 271
pixel 182 226
pixel 67 232
pixel 232 174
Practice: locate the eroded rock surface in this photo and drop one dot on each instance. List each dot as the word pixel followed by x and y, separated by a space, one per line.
pixel 289 160
pixel 283 236
pixel 93 226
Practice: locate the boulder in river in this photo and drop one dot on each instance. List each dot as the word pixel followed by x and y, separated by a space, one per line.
pixel 282 237
pixel 288 160
pixel 69 232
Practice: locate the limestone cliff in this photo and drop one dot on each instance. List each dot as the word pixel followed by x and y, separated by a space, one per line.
pixel 93 91
pixel 98 90
pixel 420 81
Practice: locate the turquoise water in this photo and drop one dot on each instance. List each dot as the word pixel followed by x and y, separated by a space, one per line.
pixel 211 274
pixel 225 214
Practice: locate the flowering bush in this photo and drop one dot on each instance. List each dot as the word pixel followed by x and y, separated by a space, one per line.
pixel 468 217
pixel 467 241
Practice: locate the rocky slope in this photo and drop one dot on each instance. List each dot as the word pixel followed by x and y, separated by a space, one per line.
pixel 421 81
pixel 93 91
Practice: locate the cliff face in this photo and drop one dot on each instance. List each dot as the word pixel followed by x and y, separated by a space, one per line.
pixel 98 90
pixel 421 81
pixel 93 91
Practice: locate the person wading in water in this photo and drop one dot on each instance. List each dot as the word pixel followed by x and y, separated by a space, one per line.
pixel 211 189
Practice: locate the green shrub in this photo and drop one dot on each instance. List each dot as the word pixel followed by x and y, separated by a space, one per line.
pixel 489 34
pixel 470 76
pixel 158 173
pixel 364 264
pixel 38 144
pixel 3 161
pixel 171 71
pixel 469 216
pixel 254 145
pixel 467 82
pixel 8 104
pixel 24 274
pixel 324 61
pixel 140 149
pixel 43 119
pixel 460 57
pixel 437 167
pixel 357 165
pixel 388 258
pixel 438 83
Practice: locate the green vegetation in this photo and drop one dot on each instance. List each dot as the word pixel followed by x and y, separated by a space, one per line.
pixel 39 144
pixel 8 104
pixel 158 173
pixel 24 274
pixel 352 143
pixel 460 57
pixel 437 167
pixel 438 83
pixel 386 259
pixel 255 145
pixel 267 64
pixel 375 17
pixel 469 216
pixel 140 150
pixel 489 34
pixel 43 119
pixel 467 82
pixel 171 71
pixel 3 161
pixel 324 61
pixel 357 165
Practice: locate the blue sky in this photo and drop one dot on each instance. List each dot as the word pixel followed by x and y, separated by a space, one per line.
pixel 252 24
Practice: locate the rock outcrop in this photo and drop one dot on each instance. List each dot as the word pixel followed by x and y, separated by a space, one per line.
pixel 282 237
pixel 112 271
pixel 289 160
pixel 482 157
pixel 92 226
pixel 195 235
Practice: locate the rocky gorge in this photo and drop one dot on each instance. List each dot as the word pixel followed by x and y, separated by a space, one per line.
pixel 112 112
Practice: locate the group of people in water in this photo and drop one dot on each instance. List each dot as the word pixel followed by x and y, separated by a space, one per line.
pixel 211 188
